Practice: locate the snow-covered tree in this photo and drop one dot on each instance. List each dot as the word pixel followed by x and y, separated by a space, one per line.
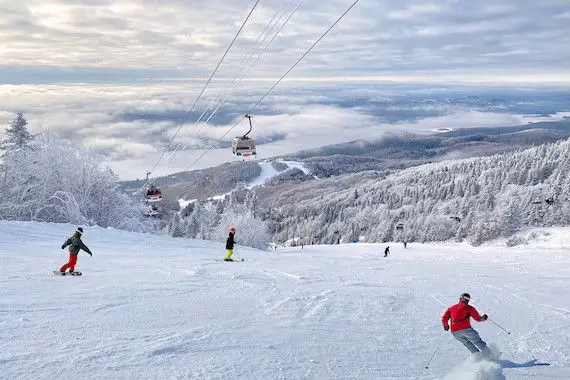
pixel 176 226
pixel 201 222
pixel 17 135
pixel 54 181
pixel 250 231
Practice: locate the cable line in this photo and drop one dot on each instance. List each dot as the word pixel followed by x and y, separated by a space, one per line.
pixel 239 76
pixel 205 85
pixel 275 85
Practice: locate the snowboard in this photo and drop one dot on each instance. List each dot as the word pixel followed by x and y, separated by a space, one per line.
pixel 76 273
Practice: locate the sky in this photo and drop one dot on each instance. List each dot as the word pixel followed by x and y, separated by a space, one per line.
pixel 122 76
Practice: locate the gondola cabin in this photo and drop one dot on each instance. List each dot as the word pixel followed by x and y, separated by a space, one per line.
pixel 244 147
pixel 153 194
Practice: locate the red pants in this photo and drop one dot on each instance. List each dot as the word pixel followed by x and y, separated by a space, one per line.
pixel 70 264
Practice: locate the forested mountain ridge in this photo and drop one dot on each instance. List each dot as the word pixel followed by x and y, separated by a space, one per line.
pixel 402 150
pixel 394 152
pixel 476 198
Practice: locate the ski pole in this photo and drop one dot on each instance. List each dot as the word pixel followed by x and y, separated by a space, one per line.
pixel 530 352
pixel 499 326
pixel 434 351
pixel 508 332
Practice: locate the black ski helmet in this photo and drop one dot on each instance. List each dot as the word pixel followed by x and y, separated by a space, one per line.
pixel 80 230
pixel 465 297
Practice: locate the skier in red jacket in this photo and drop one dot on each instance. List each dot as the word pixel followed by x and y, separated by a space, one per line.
pixel 461 329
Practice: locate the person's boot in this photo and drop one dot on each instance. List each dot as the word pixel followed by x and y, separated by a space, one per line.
pixel 488 354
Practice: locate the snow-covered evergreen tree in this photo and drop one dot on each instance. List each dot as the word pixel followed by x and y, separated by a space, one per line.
pixel 17 135
pixel 200 223
pixel 176 226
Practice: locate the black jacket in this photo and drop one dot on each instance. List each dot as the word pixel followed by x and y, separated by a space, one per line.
pixel 75 244
pixel 230 242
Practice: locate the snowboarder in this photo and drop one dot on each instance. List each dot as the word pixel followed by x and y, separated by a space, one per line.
pixel 386 251
pixel 461 329
pixel 75 244
pixel 230 242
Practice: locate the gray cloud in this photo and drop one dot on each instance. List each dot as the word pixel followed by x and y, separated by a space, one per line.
pixel 132 124
pixel 186 38
pixel 121 75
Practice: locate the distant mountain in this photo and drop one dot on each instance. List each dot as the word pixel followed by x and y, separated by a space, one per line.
pixel 400 151
pixel 384 156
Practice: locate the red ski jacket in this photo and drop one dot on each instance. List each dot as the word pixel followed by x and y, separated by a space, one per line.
pixel 460 314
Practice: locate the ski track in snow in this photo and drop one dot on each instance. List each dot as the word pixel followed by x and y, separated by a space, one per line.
pixel 153 307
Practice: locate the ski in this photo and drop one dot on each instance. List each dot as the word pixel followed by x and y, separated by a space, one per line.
pixel 231 261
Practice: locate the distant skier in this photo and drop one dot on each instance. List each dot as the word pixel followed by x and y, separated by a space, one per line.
pixel 230 242
pixel 461 329
pixel 387 251
pixel 75 244
pixel 405 243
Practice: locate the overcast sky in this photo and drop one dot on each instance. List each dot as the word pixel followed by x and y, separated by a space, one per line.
pixel 121 75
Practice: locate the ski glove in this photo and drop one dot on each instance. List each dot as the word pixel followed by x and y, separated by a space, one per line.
pixel 63 247
pixel 484 317
pixel 446 328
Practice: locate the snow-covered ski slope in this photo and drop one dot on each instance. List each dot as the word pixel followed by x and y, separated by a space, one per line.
pixel 151 307
pixel 267 173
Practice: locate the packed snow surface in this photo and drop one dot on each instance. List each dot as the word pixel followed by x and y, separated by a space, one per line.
pixel 267 172
pixel 152 307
